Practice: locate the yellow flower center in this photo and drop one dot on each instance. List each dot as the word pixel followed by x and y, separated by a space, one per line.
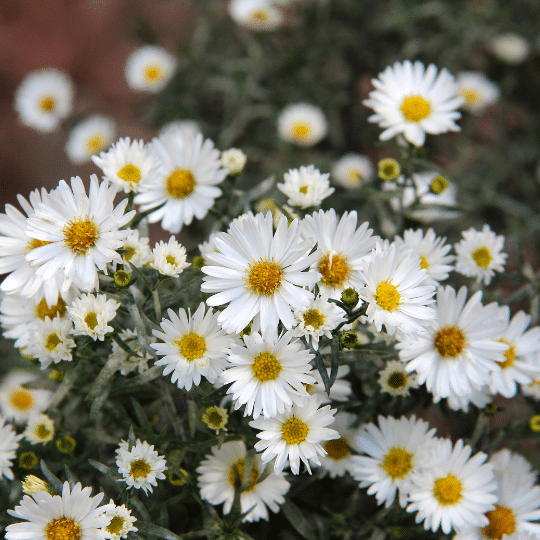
pixel 303 190
pixel 264 277
pixel 260 16
pixel 130 173
pixel 80 235
pixel 337 448
pixel 439 184
pixel 482 257
pixel 52 342
pixel 509 354
pixel 47 104
pixel 300 131
pixel 21 399
pixel 387 296
pixel 191 346
pixel 294 431
pixel 63 529
pixel 171 260
pixel 116 524
pixel 91 320
pixel 215 419
pixel 129 251
pixel 423 263
pixel 95 144
pixel 449 341
pixel 180 183
pixel 42 310
pixel 353 177
pixel 240 465
pixel 35 243
pixel 471 96
pixel 448 490
pixel 398 462
pixel 335 270
pixel 501 521
pixel 388 169
pixel 415 108
pixel 139 469
pixel 313 318
pixel 153 72
pixel 42 432
pixel 266 367
pixel 396 380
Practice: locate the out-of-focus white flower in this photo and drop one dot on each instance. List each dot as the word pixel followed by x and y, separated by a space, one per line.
pixel 40 429
pixel 91 314
pixel 479 92
pixel 169 258
pixel 150 68
pixel 186 128
pixel 352 171
pixel 395 380
pixel 257 15
pixel 137 250
pixel 302 124
pixel 306 187
pixel 89 137
pixel 510 48
pixel 9 443
pixel 234 160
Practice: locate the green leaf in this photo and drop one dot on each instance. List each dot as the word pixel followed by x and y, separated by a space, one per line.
pixel 107 471
pixel 140 413
pixel 154 530
pixel 71 479
pixel 297 520
pixel 53 480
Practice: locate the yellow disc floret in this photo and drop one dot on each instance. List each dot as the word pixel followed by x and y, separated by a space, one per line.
pixel 415 108
pixel 266 367
pixel 91 320
pixel 449 341
pixel 334 269
pixel 509 354
pixel 130 173
pixel 300 131
pixel 313 318
pixel 42 310
pixel 116 524
pixel 240 467
pixel 264 277
pixel 191 346
pixel 396 380
pixel 63 528
pixel 398 462
pixel 439 184
pixel 482 257
pixel 139 468
pixel 52 342
pixel 294 431
pixel 80 235
pixel 387 296
pixel 337 448
pixel 21 399
pixel 180 183
pixel 153 72
pixel 448 490
pixel 502 521
pixel 47 104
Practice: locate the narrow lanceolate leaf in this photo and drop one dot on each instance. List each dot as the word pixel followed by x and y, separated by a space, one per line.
pixel 297 519
pixel 54 481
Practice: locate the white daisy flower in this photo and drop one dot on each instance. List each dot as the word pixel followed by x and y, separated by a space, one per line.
pixel 510 48
pixel 479 254
pixel 44 99
pixel 121 523
pixel 136 249
pixel 194 346
pixel 396 293
pixel 40 429
pixel 413 101
pixel 74 514
pixel 341 390
pixel 260 15
pixel 395 380
pixel 456 491
pixel 169 258
pixel 149 68
pixel 217 477
pixel 51 341
pixel 459 351
pixel 126 164
pixel 141 466
pixel 259 273
pixel 18 403
pixel 268 373
pixel 185 183
pixel 306 187
pixel 479 92
pixel 184 128
pixel 533 388
pixel 394 451
pixel 91 314
pixel 295 435
pixel 9 443
pixel 80 233
pixel 89 137
pixel 352 171
pixel 479 398
pixel 302 124
pixel 433 253
pixel 342 247
pixel 234 160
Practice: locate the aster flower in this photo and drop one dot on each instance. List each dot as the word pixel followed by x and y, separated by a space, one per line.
pixel 479 398
pixel 259 273
pixel 9 443
pixel 479 92
pixel 141 466
pixel 169 258
pixel 91 314
pixel 302 124
pixel 120 524
pixel 479 254
pixel 40 429
pixel 510 48
pixel 136 249
pixel 234 160
pixel 89 137
pixel 306 186
pixel 395 380
pixel 44 99
pixel 194 346
pixel 413 101
pixel 217 477
pixel 352 171
pixel 295 435
pixel 150 68
pixel 259 15
pixel 182 128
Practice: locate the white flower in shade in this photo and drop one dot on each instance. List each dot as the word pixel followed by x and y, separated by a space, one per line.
pixel 257 15
pixel 411 100
pixel 234 160
pixel 259 273
pixel 532 389
pixel 217 477
pixel 72 515
pixel 184 185
pixel 184 128
pixel 44 99
pixel 141 466
pixel 395 380
pixel 394 451
pixel 169 258
pixel 455 491
pixel 302 124
pixel 149 68
pixel 136 249
pixel 510 48
pixel 9 443
pixel 126 164
pixel 51 341
pixel 89 137
pixel 80 233
pixel 479 254
pixel 432 250
pixel 519 365
pixel 306 186
pixel 340 391
pixel 319 319
pixel 479 398
pixel 459 351
pixel 121 523
pixel 91 314
pixel 19 403
pixel 40 429
pixel 342 247
pixel 352 171
pixel 127 361
pixel 194 346
pixel 295 435
pixel 268 373
pixel 479 92
pixel 396 293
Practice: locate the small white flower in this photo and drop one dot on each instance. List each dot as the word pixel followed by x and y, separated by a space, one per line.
pixel 260 15
pixel 169 258
pixel 479 92
pixel 141 466
pixel 149 68
pixel 306 186
pixel 51 341
pixel 91 314
pixel 302 124
pixel 9 443
pixel 137 250
pixel 510 48
pixel 44 99
pixel 395 380
pixel 121 523
pixel 234 160
pixel 353 171
pixel 89 137
pixel 40 429
pixel 479 254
